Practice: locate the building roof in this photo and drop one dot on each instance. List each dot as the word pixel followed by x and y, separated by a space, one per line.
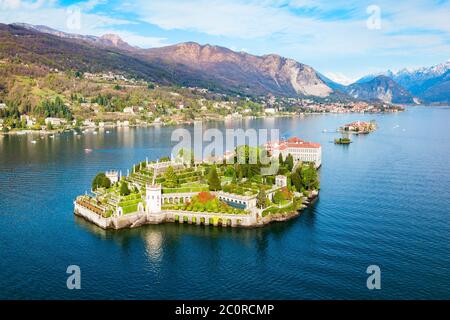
pixel 293 142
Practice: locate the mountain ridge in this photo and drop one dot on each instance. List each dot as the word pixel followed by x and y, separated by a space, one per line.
pixel 381 88
pixel 214 67
pixel 429 84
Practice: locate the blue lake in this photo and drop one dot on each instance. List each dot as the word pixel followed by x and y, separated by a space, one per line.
pixel 385 200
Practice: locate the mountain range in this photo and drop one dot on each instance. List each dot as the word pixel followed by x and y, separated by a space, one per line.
pixel 216 68
pixel 428 84
pixel 381 88
pixel 188 64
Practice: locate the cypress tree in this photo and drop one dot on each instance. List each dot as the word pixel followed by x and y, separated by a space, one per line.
pixel 213 180
pixel 261 199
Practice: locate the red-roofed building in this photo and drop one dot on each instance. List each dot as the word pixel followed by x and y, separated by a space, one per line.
pixel 299 149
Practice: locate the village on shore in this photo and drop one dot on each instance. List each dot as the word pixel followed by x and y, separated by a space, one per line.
pixel 123 102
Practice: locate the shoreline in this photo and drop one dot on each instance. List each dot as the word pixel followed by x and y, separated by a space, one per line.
pixel 189 122
pixel 139 219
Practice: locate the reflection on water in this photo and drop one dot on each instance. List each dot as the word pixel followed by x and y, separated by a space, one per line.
pixel 153 243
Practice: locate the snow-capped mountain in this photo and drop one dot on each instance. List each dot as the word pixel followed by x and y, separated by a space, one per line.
pixel 429 84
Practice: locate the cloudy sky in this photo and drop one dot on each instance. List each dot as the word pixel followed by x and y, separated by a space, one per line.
pixel 341 39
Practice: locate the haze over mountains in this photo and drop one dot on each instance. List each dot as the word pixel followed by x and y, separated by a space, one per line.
pixel 214 67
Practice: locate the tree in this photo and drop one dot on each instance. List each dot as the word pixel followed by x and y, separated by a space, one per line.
pixel 297 203
pixel 229 171
pixel 213 180
pixel 234 179
pixel 289 162
pixel 310 178
pixel 280 159
pixel 171 177
pixel 261 199
pixel 239 173
pixel 124 191
pixel 101 181
pixel 296 179
pixel 106 183
pixel 278 197
pixel 282 195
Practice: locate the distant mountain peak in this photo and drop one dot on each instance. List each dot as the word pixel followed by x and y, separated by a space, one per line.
pixel 114 38
pixel 381 88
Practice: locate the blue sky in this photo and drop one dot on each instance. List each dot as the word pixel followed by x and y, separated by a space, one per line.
pixel 341 39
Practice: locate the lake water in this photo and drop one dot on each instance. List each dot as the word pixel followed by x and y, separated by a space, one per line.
pixel 385 201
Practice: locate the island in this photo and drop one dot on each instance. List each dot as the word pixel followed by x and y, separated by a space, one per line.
pixel 359 127
pixel 211 192
pixel 344 141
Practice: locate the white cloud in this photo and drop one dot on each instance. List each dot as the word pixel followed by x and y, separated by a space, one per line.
pixel 75 19
pixel 265 19
pixel 314 32
pixel 137 40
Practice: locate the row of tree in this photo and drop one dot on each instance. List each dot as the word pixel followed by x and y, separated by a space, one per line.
pixel 55 108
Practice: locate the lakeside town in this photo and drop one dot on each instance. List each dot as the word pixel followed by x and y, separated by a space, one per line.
pixel 220 192
pixel 109 100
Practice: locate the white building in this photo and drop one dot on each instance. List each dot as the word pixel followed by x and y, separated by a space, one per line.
pixel 113 176
pixel 153 198
pixel 299 149
pixel 89 123
pixel 162 166
pixel 30 122
pixel 128 110
pixel 56 122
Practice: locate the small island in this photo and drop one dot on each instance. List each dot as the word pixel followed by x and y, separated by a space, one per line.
pixel 359 127
pixel 210 192
pixel 344 141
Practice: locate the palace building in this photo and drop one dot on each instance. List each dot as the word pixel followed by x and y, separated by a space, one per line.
pixel 300 150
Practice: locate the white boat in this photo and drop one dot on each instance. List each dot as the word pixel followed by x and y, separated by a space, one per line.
pixel 33 141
